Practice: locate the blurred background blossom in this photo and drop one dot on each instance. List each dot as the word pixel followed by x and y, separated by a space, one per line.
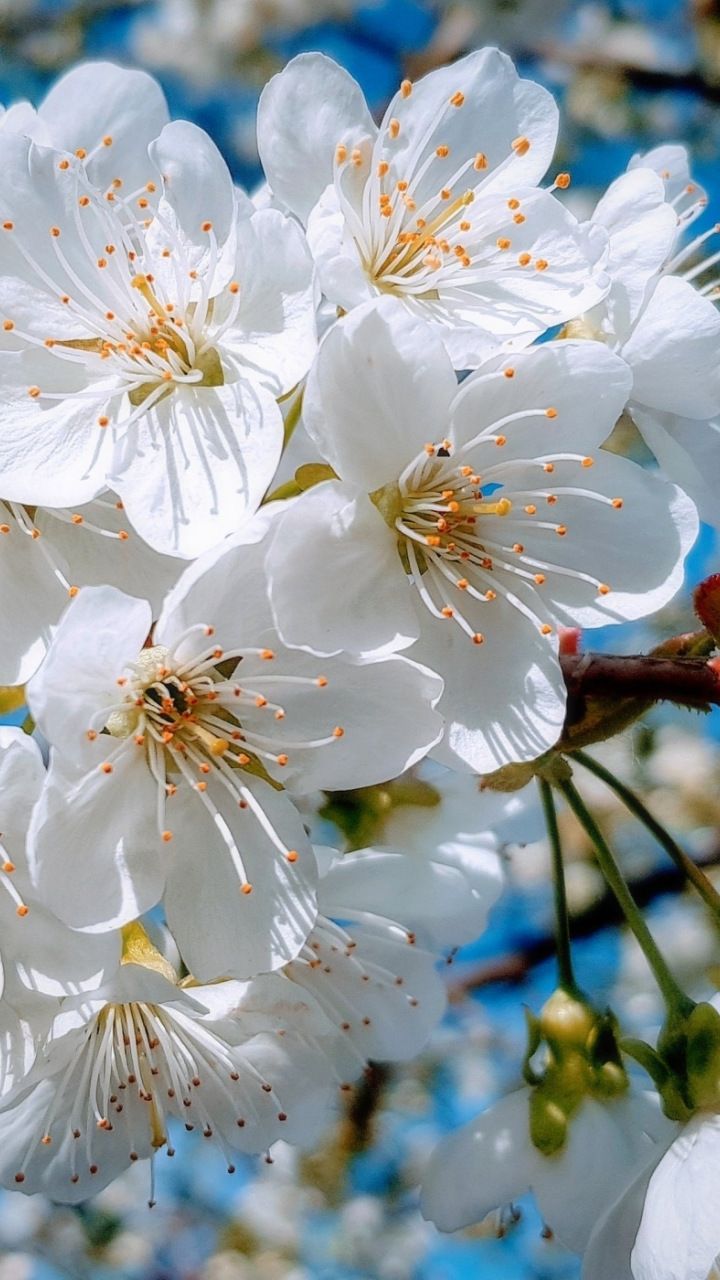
pixel 628 74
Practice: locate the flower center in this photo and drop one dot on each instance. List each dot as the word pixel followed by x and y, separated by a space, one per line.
pixel 147 299
pixel 406 204
pixel 199 726
pixel 138 1065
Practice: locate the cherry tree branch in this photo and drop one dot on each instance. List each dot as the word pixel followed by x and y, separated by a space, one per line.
pixel 690 682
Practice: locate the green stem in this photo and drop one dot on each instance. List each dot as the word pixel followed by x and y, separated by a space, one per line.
pixel 562 921
pixel 634 804
pixel 674 996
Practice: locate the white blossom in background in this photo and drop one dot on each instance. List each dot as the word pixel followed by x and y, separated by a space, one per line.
pixel 660 315
pixel 151 318
pixel 472 520
pixel 229 1060
pixel 491 1162
pixel 243 1063
pixel 182 741
pixel 440 205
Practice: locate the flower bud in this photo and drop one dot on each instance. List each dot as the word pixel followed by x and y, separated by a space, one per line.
pixel 703 1056
pixel 548 1123
pixel 566 1022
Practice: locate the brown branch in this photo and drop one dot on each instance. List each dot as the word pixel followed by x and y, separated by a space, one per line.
pixel 690 682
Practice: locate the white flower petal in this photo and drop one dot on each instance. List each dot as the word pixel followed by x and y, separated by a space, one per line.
pixel 520 708
pixel 274 333
pixel 335 578
pixel 98 100
pixel 101 632
pixel 94 856
pixel 219 928
pixel 688 451
pixel 407 384
pixel 642 228
pixel 481 1167
pixel 303 113
pixel 673 352
pixel 679 1233
pixel 435 899
pixel 196 181
pixel 194 467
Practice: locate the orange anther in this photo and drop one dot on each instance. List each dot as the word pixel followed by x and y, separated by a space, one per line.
pixel 617 503
pixel 321 682
pixel 442 152
pixel 478 638
pixel 457 99
pixel 292 855
pixel 588 462
pixel 205 226
pixel 551 412
pixel 338 732
pixel 603 589
pixel 246 888
pixel 394 128
pixel 406 88
pixel 520 146
pixel 480 161
pixel 503 243
pixel 541 264
pixel 525 259
pixel 106 767
pixel 530 509
pixel 103 421
pixel 34 392
pixel 107 140
pixel 562 181
pixel 8 325
pixel 64 164
pixel 55 232
pixel 561 530
pixel 167 837
pixel 509 373
pixel 340 153
pixel 545 630
pixel 22 910
pixel 539 578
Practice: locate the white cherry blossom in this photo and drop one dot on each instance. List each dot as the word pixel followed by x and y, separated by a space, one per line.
pixel 472 520
pixel 243 1063
pixel 171 751
pixel 439 206
pixel 147 332
pixel 660 316
pixel 229 1061
pixel 491 1162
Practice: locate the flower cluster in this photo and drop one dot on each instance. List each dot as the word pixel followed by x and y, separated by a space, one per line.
pixel 298 490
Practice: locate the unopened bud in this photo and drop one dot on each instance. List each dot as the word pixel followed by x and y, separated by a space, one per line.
pixel 548 1123
pixel 703 1056
pixel 570 640
pixel 706 598
pixel 566 1022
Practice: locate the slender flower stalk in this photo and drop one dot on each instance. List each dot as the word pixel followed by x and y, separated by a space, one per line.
pixel 634 804
pixel 562 921
pixel 674 996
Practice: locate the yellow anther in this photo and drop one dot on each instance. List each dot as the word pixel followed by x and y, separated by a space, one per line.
pixel 502 507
